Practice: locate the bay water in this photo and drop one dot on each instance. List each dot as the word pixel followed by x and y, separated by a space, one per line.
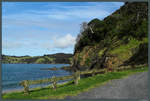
pixel 13 74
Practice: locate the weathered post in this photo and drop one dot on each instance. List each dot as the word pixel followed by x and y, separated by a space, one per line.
pixel 26 87
pixel 76 77
pixel 105 70
pixel 115 69
pixel 54 84
pixel 93 73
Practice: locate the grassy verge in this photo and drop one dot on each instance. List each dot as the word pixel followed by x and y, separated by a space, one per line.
pixel 69 89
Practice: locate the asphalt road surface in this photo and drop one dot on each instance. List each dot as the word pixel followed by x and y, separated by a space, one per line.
pixel 132 87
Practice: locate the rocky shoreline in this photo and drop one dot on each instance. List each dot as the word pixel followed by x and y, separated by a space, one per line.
pixel 67 68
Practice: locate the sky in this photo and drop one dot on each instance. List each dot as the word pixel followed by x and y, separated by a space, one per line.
pixel 38 28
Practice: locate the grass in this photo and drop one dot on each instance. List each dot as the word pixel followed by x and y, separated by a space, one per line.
pixel 69 89
pixel 123 48
pixel 124 52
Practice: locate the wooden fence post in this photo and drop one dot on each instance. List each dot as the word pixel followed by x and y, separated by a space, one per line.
pixel 93 73
pixel 105 70
pixel 76 77
pixel 26 87
pixel 54 84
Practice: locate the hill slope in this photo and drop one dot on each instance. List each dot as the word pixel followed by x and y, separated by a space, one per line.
pixel 120 39
pixel 58 58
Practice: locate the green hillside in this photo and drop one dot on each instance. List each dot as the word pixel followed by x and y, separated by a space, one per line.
pixel 118 40
pixel 59 58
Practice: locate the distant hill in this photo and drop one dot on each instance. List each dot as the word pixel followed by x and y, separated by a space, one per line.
pixel 58 58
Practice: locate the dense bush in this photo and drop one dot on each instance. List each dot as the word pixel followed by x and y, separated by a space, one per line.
pixel 127 22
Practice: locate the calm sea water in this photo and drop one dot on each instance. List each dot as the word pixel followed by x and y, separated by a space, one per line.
pixel 12 74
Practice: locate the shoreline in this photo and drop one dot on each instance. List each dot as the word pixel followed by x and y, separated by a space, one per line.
pixel 11 90
pixel 21 90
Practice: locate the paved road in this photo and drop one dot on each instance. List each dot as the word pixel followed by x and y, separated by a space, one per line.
pixel 132 87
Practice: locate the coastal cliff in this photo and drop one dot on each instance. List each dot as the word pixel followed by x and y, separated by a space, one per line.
pixel 120 39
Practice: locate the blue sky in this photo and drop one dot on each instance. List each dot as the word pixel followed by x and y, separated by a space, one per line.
pixel 38 28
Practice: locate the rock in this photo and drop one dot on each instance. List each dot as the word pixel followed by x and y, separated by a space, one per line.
pixel 67 68
pixel 54 68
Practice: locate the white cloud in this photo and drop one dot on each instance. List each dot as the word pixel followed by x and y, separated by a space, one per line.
pixel 54 43
pixel 59 43
pixel 64 42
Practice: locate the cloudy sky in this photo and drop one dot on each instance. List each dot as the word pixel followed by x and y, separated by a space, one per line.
pixel 37 28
